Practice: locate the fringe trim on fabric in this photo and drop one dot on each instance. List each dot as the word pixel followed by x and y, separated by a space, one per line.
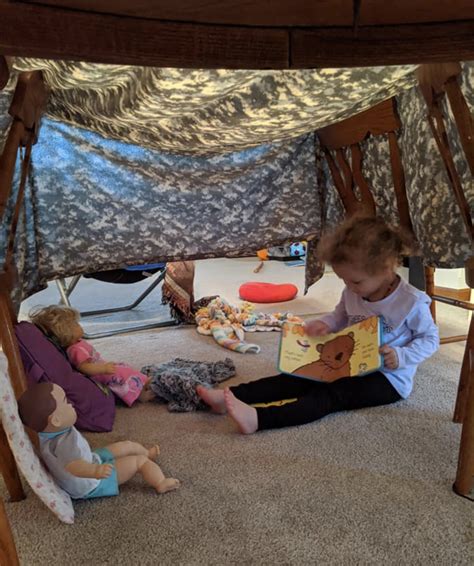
pixel 177 290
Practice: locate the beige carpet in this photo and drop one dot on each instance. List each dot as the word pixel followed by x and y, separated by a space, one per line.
pixel 368 487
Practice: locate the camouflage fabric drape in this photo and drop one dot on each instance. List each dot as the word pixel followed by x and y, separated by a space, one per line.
pixel 137 165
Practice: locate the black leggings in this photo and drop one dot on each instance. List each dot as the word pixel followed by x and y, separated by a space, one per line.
pixel 314 399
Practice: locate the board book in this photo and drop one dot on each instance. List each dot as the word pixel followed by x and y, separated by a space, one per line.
pixel 349 352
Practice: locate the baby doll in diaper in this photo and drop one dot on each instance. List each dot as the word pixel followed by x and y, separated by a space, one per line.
pixel 62 324
pixel 82 472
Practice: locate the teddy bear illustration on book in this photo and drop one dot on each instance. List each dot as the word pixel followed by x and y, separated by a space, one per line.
pixel 334 360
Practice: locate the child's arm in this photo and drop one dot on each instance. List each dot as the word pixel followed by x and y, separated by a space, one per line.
pixel 316 327
pixel 96 368
pixel 425 340
pixel 83 469
pixel 332 322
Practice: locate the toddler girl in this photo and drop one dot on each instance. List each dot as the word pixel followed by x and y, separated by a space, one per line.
pixel 62 323
pixel 364 252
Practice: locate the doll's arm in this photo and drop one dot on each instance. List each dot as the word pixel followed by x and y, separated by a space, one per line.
pixel 83 469
pixel 96 368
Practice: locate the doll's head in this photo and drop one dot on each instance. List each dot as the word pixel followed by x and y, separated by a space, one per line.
pixel 60 322
pixel 44 407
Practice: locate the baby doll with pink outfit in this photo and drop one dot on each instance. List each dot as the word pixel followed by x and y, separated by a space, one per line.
pixel 62 324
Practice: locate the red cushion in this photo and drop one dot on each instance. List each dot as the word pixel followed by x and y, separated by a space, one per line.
pixel 257 292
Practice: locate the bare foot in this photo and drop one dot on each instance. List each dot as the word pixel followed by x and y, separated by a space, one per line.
pixel 168 484
pixel 153 452
pixel 146 395
pixel 244 415
pixel 212 397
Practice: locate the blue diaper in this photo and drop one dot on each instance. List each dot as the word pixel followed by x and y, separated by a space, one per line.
pixel 107 486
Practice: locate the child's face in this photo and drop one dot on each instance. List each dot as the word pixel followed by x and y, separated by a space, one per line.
pixel 364 284
pixel 77 332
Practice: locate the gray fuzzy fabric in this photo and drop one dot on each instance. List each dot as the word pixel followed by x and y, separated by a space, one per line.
pixel 175 382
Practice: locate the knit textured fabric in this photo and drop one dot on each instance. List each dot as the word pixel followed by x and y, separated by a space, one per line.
pixel 175 382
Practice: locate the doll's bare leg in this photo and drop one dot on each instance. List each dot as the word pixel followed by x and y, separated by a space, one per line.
pixel 146 395
pixel 128 466
pixel 129 448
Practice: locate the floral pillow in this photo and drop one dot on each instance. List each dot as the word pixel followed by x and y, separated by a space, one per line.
pixel 28 462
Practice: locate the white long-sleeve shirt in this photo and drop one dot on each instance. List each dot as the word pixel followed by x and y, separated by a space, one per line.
pixel 408 328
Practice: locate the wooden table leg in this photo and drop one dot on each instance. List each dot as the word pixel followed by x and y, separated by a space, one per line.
pixel 9 469
pixel 8 555
pixel 464 483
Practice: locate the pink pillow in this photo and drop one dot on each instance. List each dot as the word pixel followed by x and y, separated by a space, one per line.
pixel 257 292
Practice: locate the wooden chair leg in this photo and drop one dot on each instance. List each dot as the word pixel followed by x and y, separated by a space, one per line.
pixel 8 555
pixel 460 407
pixel 9 470
pixel 9 345
pixel 464 483
pixel 430 288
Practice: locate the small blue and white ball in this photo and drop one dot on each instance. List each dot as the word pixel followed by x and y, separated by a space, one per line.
pixel 298 249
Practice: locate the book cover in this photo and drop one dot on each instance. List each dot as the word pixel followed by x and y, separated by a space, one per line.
pixel 349 352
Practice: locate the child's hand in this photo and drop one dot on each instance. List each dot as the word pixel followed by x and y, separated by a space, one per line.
pixel 316 328
pixel 103 471
pixel 390 358
pixel 109 367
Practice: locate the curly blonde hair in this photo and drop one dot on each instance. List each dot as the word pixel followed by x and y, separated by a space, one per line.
pixel 56 321
pixel 367 242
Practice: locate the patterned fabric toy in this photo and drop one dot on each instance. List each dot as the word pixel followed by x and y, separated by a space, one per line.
pixel 228 324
